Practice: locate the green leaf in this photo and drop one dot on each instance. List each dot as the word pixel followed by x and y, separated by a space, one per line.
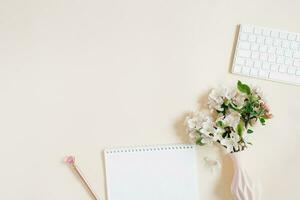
pixel 197 131
pixel 240 128
pixel 262 121
pixel 225 107
pixel 248 108
pixel 224 135
pixel 234 107
pixel 254 112
pixel 199 141
pixel 220 124
pixel 243 88
pixel 249 131
pixel 253 98
pixel 226 102
pixel 260 111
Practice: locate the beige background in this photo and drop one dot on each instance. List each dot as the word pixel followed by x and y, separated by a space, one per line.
pixel 78 76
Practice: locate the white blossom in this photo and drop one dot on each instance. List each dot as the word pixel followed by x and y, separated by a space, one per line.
pixel 208 127
pixel 217 96
pixel 239 99
pixel 196 120
pixel 217 136
pixel 231 143
pixel 246 138
pixel 207 139
pixel 258 91
pixel 232 119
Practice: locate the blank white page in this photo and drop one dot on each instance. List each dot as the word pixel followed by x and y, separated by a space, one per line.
pixel 152 173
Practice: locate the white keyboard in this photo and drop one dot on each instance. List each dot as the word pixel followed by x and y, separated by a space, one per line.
pixel 268 54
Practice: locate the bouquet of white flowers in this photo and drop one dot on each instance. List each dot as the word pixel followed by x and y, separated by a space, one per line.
pixel 234 112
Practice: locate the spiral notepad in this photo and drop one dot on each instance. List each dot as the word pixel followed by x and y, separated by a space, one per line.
pixel 152 173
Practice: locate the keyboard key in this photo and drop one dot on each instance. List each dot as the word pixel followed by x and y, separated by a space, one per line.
pixel 274 67
pixel 284 77
pixel 266 66
pixel 252 38
pixel 245 70
pixel 285 44
pixel 292 36
pixel 298 72
pixel 283 68
pixel 292 70
pixel 288 61
pixel 249 63
pixel 263 73
pixel 240 61
pixel 263 56
pixel 271 49
pixel 257 31
pixel 237 69
pixel 283 35
pixel 266 32
pixel 255 55
pixel 247 29
pixel 294 45
pixel 260 39
pixel 257 64
pixel 297 63
pixel 268 41
pixel 254 47
pixel 297 54
pixel 263 48
pixel 272 57
pixel 254 72
pixel 244 45
pixel 244 53
pixel 243 36
pixel 278 76
pixel 277 43
pixel 298 38
pixel 288 53
pixel 274 34
pixel 280 51
pixel 280 59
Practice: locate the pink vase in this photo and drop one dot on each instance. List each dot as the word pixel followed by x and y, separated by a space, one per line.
pixel 245 183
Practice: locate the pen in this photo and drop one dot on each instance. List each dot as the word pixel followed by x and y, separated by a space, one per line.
pixel 71 161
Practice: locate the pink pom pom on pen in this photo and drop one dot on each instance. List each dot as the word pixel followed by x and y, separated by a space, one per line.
pixel 70 160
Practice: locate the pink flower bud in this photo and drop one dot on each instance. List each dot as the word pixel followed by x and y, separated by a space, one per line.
pixel 269 115
pixel 266 107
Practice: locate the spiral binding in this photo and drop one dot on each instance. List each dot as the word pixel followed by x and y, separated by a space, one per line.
pixel 149 149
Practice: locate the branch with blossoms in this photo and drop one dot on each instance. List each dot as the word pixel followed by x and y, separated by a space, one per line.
pixel 234 113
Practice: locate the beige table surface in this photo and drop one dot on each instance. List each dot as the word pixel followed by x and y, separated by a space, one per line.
pixel 78 76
